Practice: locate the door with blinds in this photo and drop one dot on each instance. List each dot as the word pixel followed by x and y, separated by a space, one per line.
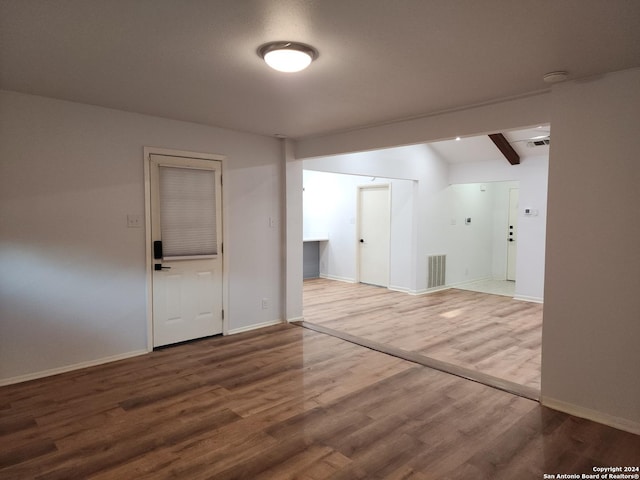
pixel 186 231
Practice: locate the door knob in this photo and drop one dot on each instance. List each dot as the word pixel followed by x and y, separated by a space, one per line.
pixel 362 240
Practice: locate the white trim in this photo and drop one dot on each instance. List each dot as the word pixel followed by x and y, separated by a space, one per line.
pixel 423 291
pixel 169 152
pixel 593 415
pixel 147 152
pixel 435 289
pixel 295 319
pixel 147 249
pixel 408 291
pixel 69 368
pixel 525 298
pixel 335 277
pixel 400 289
pixel 256 326
pixel 469 282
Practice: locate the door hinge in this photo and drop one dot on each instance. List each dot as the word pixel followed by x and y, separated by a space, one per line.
pixel 223 314
pixel 222 247
pixel 220 180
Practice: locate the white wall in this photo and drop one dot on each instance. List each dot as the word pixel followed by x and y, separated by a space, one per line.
pixel 477 250
pixel 527 111
pixel 428 200
pixel 532 175
pixel 72 283
pixel 591 334
pixel 293 233
pixel 469 248
pixel 330 209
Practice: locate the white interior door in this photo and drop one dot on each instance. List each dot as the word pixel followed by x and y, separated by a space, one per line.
pixel 186 226
pixel 374 222
pixel 512 234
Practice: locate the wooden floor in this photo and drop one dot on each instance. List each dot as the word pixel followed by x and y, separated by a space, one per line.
pixel 492 334
pixel 287 403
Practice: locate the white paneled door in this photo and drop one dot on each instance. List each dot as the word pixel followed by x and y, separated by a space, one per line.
pixel 374 226
pixel 186 226
pixel 512 234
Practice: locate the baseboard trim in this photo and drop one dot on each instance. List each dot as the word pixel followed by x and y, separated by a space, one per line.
pixel 593 415
pixel 408 291
pixel 70 368
pixel 469 282
pixel 335 277
pixel 525 298
pixel 427 291
pixel 256 326
pixel 295 319
pixel 489 380
pixel 434 290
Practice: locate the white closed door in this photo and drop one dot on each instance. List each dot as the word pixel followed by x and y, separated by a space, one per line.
pixel 374 226
pixel 186 225
pixel 512 234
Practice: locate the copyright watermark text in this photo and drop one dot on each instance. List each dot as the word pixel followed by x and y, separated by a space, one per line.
pixel 599 473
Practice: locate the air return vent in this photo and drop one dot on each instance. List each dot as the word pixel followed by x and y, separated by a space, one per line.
pixel 538 143
pixel 436 268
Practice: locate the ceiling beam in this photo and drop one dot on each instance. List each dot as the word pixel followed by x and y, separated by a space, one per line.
pixel 507 150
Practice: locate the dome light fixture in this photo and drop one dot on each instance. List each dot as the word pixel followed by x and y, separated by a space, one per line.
pixel 287 56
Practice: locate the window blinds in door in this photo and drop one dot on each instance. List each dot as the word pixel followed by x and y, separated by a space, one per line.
pixel 187 212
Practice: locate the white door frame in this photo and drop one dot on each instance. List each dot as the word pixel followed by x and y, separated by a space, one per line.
pixel 148 151
pixel 358 233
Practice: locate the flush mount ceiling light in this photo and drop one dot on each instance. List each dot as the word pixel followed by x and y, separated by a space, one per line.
pixel 287 56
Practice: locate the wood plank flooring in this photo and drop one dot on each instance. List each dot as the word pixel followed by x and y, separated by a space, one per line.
pixel 491 334
pixel 287 403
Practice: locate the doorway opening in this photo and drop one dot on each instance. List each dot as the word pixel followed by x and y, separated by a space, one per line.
pixel 463 323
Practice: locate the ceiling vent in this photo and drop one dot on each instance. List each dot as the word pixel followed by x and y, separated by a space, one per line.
pixel 538 142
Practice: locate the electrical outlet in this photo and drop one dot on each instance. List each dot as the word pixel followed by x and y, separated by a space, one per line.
pixel 134 221
pixel 265 303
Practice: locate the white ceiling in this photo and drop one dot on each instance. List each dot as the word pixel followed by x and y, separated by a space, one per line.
pixel 380 60
pixel 482 149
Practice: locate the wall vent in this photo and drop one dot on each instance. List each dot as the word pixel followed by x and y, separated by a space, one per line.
pixel 436 268
pixel 538 143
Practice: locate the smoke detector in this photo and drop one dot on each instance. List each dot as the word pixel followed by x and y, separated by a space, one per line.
pixel 555 77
